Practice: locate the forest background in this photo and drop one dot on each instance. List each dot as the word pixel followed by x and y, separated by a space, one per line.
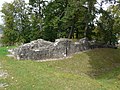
pixel 49 20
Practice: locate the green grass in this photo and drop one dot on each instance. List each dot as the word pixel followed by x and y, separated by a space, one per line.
pixel 97 69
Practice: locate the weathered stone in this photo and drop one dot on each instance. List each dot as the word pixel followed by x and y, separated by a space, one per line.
pixel 3 85
pixel 41 49
pixel 84 44
pixel 3 74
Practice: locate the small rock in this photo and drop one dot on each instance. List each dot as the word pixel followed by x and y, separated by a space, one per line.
pixel 2 85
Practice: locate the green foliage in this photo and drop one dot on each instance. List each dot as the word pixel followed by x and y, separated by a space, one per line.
pixel 60 19
pixel 9 34
pixel 108 25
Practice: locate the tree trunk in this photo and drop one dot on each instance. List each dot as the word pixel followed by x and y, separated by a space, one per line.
pixel 71 32
pixel 77 33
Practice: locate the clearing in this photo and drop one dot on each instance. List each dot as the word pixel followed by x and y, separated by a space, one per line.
pixel 97 69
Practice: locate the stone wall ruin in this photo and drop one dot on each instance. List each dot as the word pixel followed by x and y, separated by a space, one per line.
pixel 41 49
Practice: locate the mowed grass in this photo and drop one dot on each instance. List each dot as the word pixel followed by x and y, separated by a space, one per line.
pixel 97 69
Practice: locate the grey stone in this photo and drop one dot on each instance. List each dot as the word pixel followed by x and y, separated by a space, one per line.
pixel 41 49
pixel 3 85
pixel 3 74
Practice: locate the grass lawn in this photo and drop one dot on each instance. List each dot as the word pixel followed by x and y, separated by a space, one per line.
pixel 97 69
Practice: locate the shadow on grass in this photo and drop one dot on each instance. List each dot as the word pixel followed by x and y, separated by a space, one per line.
pixel 104 61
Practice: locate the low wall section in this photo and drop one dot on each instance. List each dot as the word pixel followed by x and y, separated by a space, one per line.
pixel 41 49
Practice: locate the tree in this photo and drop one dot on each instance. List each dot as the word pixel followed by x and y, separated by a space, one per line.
pixel 52 22
pixel 36 8
pixel 107 27
pixel 9 36
pixel 21 21
pixel 60 19
pixel 115 12
pixel 67 18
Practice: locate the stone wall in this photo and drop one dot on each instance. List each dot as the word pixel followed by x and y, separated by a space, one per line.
pixel 41 49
